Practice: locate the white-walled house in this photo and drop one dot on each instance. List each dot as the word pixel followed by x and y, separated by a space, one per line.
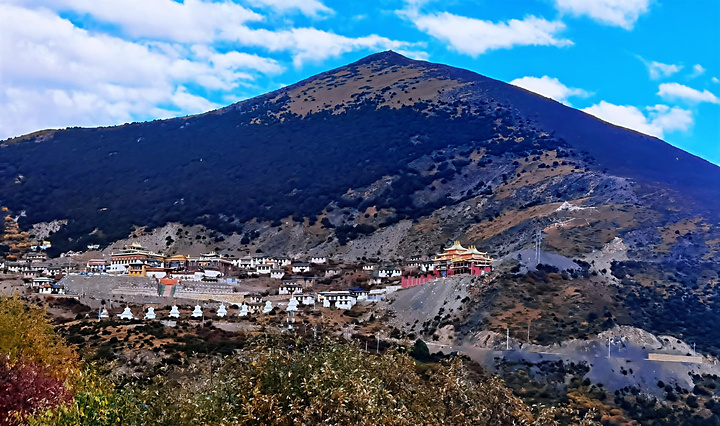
pixel 300 267
pixel 211 274
pixel 290 288
pixel 333 271
pixel 44 285
pixel 392 288
pixel 374 281
pixel 261 259
pixel 244 262
pixel 376 295
pixel 338 299
pixel 265 268
pixel 320 260
pixel 389 272
pixel 38 282
pixel 97 265
pixel 277 274
pixel 156 272
pixel 360 294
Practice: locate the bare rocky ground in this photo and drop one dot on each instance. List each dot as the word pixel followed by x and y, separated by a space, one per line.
pixel 411 309
pixel 10 284
pixel 628 364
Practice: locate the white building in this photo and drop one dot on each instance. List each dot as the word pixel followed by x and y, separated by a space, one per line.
pixel 244 262
pixel 360 294
pixel 337 299
pixel 376 295
pixel 265 268
pixel 211 274
pixel 300 268
pixel 155 272
pixel 291 288
pixel 97 266
pixel 320 260
pixel 389 272
pixel 333 271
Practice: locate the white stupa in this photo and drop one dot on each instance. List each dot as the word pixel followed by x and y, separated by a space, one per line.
pixel 268 307
pixel 104 313
pixel 221 310
pixel 197 313
pixel 292 305
pixel 243 310
pixel 174 312
pixel 150 315
pixel 126 314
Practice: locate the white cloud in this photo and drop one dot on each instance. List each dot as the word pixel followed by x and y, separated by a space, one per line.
pixel 159 56
pixel 475 36
pixel 307 7
pixel 698 70
pixel 549 87
pixel 659 70
pixel 620 13
pixel 715 80
pixel 62 75
pixel 208 22
pixel 310 44
pixel 192 21
pixel 679 91
pixel 659 119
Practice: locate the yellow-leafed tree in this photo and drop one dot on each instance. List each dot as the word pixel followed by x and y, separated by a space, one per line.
pixel 26 335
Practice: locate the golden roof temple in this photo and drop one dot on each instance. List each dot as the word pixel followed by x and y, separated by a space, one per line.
pixel 461 260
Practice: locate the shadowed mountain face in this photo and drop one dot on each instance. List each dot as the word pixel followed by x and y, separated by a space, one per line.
pixel 359 149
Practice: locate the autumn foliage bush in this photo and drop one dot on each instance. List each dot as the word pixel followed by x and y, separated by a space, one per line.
pixel 37 369
pixel 27 389
pixel 271 382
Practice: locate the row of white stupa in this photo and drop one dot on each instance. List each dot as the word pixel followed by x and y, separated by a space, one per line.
pixel 198 313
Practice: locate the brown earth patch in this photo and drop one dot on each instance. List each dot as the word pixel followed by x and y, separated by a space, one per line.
pixel 528 174
pixel 396 87
pixel 671 232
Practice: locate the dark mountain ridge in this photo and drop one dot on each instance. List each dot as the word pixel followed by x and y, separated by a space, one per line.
pixel 304 148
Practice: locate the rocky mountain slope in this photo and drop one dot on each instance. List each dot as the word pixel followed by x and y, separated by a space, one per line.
pixel 389 157
pixel 352 151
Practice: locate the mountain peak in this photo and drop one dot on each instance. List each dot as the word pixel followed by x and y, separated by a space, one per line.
pixel 385 79
pixel 389 57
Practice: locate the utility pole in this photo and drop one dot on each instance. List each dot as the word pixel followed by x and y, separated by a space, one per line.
pixel 538 244
pixel 507 341
pixel 608 346
pixel 378 343
pixel 528 333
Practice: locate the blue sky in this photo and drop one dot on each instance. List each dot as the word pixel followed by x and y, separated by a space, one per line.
pixel 650 65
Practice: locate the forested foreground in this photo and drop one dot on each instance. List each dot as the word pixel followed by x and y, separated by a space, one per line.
pixel 272 380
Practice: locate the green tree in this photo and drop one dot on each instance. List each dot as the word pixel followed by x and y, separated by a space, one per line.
pixel 420 350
